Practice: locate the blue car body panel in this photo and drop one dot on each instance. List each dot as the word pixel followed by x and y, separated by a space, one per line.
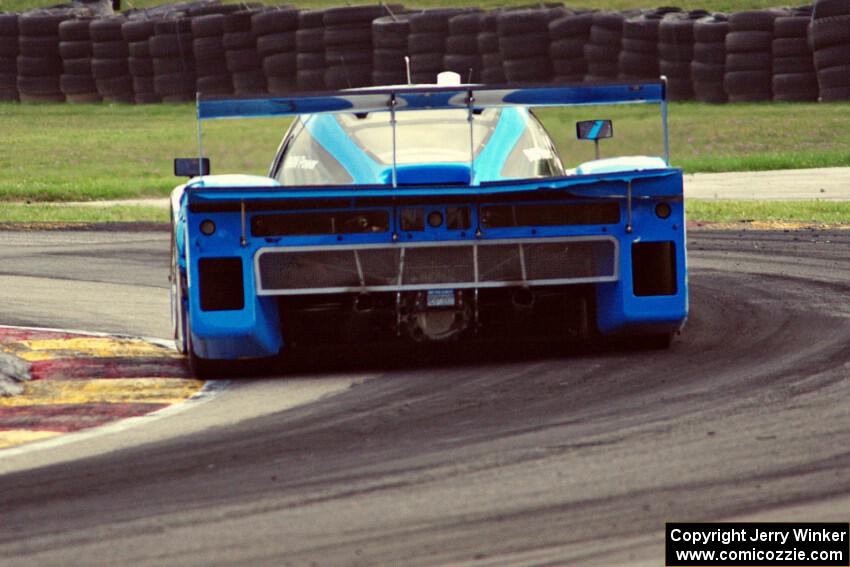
pixel 629 192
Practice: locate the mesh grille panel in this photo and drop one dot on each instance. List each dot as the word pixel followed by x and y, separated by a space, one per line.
pixel 440 264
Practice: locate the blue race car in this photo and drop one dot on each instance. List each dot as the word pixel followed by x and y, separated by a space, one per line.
pixel 426 213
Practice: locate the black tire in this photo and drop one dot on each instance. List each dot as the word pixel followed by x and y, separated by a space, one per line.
pixel 74 30
pixel 829 78
pixel 467 66
pixel 8 66
pixel 8 46
pixel 748 61
pixel 521 22
pixel 746 82
pixel 493 76
pixel 38 24
pixel 641 28
pixel 426 62
pixel 308 19
pixel 433 42
pixel 136 49
pixel 710 92
pixel 675 69
pixel 239 40
pixel 143 85
pixel 39 46
pixel 832 56
pixel 834 94
pixel 681 52
pixel 208 48
pixel 348 76
pixel 75 49
pixel 639 46
pixel 147 97
pixel 571 26
pixel 610 20
pixel 8 24
pixel 252 82
pixel 137 30
pixel 784 65
pixel 603 69
pixel 488 42
pixel 170 45
pixel 352 15
pixel 275 21
pixel 465 24
pixel 209 67
pixel 106 29
pixel 569 67
pixel 241 60
pixel 167 65
pixel 566 49
pixel 80 66
pixel 115 86
pixel 600 54
pixel 462 45
pixel 390 33
pixel 281 85
pixel 214 84
pixel 828 8
pixel 173 26
pixel 211 25
pixel 174 85
pixel 711 29
pixel 381 78
pixel 523 46
pixel 38 66
pixel 110 49
pixel 77 84
pixel 795 82
pixel 791 26
pixel 528 69
pixel 753 20
pixel 109 68
pixel 280 65
pixel 389 59
pixel 791 47
pixel 310 80
pixel 337 37
pixel 348 57
pixel 604 36
pixel 270 44
pixel 432 21
pixel 830 31
pixel 707 72
pixel 305 61
pixel 710 52
pixel 749 41
pixel 310 40
pixel 39 85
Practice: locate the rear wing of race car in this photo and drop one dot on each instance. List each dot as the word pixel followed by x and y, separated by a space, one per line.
pixel 473 98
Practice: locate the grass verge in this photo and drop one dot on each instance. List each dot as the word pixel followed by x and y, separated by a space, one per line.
pixel 63 152
pixel 724 212
pixel 53 213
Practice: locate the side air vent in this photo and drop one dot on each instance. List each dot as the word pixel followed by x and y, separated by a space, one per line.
pixel 654 268
pixel 221 284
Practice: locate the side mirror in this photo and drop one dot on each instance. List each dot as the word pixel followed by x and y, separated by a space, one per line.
pixel 594 129
pixel 190 167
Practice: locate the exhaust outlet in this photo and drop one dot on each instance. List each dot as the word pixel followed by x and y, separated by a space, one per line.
pixel 523 298
pixel 363 303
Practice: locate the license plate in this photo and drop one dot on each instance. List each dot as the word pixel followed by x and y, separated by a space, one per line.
pixel 441 298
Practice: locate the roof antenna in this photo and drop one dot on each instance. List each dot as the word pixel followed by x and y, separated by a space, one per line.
pixel 407 69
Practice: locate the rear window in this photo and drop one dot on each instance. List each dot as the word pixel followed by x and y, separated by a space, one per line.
pixel 306 162
pixel 426 136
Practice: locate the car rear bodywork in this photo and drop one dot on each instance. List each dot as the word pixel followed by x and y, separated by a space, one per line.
pixel 436 251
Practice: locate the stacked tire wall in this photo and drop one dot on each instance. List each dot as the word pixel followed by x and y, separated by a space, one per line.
pixel 172 52
pixel 830 37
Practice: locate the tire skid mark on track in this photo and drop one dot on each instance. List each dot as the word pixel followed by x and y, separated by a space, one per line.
pixel 82 381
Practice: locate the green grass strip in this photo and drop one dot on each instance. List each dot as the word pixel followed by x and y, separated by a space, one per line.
pixel 722 211
pixel 55 213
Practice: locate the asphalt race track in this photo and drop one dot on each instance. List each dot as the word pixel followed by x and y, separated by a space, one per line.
pixel 543 457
